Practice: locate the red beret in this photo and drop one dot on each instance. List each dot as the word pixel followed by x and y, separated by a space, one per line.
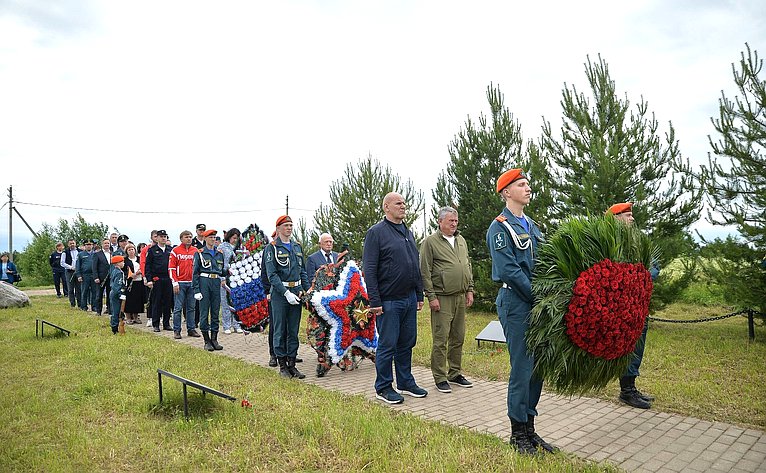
pixel 508 177
pixel 117 259
pixel 284 219
pixel 208 233
pixel 617 209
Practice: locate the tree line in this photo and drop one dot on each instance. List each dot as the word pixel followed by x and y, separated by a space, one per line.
pixel 608 149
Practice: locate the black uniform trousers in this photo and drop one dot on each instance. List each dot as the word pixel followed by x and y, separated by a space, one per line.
pixel 162 302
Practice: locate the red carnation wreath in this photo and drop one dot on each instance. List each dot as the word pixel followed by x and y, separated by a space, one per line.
pixel 608 309
pixel 592 292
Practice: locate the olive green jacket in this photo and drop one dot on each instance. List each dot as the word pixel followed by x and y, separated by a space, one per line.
pixel 445 270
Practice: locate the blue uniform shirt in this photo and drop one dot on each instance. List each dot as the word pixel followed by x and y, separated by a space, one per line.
pixel 511 265
pixel 284 263
pixel 117 280
pixel 206 261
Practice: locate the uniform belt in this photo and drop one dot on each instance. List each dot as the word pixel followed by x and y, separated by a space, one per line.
pixel 291 283
pixel 210 275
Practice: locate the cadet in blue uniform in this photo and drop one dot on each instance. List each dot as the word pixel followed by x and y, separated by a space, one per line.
pixel 83 271
pixel 512 239
pixel 116 290
pixel 629 394
pixel 206 283
pixel 286 270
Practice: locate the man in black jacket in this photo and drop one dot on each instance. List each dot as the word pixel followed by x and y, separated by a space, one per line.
pixel 59 275
pixel 158 280
pixel 68 261
pixel 101 261
pixel 395 289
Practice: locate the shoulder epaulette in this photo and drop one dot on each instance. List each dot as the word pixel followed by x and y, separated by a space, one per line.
pixel 273 243
pixel 501 218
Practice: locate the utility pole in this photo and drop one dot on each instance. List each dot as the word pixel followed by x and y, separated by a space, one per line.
pixel 287 204
pixel 10 223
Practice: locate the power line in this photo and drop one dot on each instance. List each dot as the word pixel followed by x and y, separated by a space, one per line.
pixel 188 212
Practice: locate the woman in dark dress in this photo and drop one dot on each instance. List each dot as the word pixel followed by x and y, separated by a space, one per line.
pixel 134 304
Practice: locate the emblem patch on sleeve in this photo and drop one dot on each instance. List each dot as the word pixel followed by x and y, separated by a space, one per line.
pixel 500 239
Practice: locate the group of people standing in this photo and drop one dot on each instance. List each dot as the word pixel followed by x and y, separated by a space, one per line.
pixel 398 278
pixel 157 278
pixel 190 277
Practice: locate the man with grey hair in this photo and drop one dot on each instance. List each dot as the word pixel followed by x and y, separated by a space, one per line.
pixel 448 285
pixel 395 288
pixel 325 255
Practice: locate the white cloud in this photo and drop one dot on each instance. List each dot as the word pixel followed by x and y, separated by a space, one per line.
pixel 233 105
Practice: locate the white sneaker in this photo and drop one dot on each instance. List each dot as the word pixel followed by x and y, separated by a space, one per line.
pixel 238 330
pixel 227 331
pixel 149 323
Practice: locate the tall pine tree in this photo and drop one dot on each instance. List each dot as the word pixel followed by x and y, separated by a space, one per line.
pixel 479 153
pixel 609 152
pixel 356 202
pixel 735 180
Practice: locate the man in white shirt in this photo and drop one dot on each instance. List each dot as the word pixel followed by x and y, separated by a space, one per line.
pixel 68 260
pixel 325 255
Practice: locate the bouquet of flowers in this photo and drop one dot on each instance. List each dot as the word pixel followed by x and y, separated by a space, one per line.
pixel 246 292
pixel 340 327
pixel 592 291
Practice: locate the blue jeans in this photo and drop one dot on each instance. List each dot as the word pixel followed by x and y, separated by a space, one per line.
pixel 397 333
pixel 286 320
pixel 185 297
pixel 638 353
pixel 523 388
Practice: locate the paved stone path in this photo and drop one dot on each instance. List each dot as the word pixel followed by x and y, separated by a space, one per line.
pixel 633 439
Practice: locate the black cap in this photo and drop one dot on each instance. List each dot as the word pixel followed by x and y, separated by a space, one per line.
pixel 123 238
pixel 86 241
pixel 162 233
pixel 201 226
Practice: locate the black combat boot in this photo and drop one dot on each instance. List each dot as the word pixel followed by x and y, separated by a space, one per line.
pixel 520 438
pixel 206 337
pixel 293 370
pixel 645 397
pixel 630 395
pixel 535 439
pixel 214 341
pixel 283 371
pixel 273 361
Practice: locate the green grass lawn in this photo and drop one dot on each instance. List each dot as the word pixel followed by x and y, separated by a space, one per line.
pixel 89 403
pixel 707 370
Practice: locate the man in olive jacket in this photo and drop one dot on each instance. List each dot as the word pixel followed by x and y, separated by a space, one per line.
pixel 448 285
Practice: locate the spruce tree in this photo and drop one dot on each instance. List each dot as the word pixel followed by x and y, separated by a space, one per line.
pixel 735 180
pixel 479 153
pixel 356 202
pixel 609 152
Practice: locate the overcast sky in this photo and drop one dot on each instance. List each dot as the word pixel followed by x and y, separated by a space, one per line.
pixel 187 106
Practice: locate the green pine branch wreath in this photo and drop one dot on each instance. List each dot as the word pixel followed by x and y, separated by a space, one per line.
pixel 592 291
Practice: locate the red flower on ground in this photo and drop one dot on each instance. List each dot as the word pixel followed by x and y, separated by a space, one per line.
pixel 608 309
